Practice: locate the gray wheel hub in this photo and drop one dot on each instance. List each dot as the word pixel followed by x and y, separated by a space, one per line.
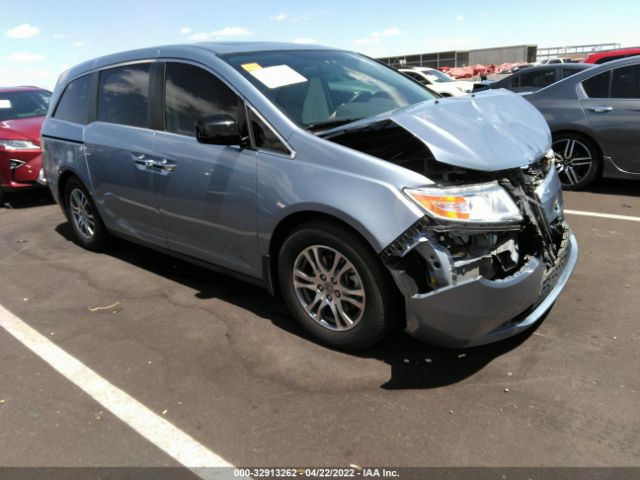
pixel 329 288
pixel 574 160
pixel 81 213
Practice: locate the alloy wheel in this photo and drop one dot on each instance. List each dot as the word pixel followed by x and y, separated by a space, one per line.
pixel 574 160
pixel 81 213
pixel 329 288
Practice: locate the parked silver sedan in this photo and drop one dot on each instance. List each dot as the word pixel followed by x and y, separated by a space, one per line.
pixel 594 117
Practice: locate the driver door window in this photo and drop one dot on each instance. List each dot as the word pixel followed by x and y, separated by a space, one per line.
pixel 192 93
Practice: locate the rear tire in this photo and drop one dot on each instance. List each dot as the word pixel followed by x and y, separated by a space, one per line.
pixel 87 226
pixel 336 287
pixel 578 160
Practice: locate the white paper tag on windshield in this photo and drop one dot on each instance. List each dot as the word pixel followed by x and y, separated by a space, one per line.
pixel 4 103
pixel 278 76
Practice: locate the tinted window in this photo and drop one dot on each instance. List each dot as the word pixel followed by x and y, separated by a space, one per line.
pixel 264 136
pixel 626 82
pixel 567 72
pixel 123 96
pixel 192 93
pixel 513 81
pixel 417 77
pixel 598 86
pixel 611 59
pixel 539 79
pixel 74 103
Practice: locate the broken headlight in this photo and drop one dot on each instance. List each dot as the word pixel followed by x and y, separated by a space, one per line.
pixel 473 204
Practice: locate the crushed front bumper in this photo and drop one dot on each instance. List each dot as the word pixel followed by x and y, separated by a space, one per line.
pixel 481 311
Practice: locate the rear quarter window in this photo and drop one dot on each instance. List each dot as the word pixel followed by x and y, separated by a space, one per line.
pixel 598 86
pixel 74 103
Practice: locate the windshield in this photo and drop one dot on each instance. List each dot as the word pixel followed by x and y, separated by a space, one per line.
pixel 322 89
pixel 437 76
pixel 25 104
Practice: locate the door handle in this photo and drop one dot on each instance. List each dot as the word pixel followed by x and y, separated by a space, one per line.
pixel 164 164
pixel 141 159
pixel 600 109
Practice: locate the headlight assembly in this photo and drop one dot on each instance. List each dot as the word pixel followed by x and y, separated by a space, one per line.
pixel 474 204
pixel 16 145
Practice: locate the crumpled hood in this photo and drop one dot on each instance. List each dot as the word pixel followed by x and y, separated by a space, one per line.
pixel 491 131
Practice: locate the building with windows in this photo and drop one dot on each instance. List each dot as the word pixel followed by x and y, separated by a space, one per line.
pixel 463 58
pixel 495 55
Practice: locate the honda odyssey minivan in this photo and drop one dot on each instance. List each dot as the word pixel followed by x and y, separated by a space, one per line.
pixel 323 175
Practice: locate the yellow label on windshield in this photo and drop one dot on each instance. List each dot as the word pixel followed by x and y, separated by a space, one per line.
pixel 250 67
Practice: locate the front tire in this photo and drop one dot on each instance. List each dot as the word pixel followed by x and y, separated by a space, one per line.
pixel 336 287
pixel 87 226
pixel 578 160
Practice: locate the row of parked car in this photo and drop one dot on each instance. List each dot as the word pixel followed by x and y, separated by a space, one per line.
pixel 592 111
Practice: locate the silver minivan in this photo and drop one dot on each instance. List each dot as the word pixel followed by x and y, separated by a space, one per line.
pixel 366 201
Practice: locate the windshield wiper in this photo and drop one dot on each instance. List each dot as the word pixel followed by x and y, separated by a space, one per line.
pixel 329 124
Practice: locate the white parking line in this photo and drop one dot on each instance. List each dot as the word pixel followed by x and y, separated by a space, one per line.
pixel 163 434
pixel 603 215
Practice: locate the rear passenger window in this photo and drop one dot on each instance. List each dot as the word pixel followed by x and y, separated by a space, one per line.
pixel 123 95
pixel 74 103
pixel 539 79
pixel 264 137
pixel 192 93
pixel 567 72
pixel 513 82
pixel 417 78
pixel 598 86
pixel 626 82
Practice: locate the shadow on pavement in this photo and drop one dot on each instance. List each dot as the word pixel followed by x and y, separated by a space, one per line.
pixel 611 186
pixel 27 199
pixel 414 364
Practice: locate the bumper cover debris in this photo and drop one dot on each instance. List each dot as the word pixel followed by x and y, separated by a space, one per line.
pixel 481 311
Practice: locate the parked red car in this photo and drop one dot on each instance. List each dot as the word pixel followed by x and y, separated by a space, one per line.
pixel 609 55
pixel 22 111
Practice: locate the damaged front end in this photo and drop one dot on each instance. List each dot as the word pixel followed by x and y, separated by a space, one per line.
pixel 493 251
pixel 472 283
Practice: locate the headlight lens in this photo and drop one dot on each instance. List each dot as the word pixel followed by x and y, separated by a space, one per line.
pixel 14 145
pixel 477 204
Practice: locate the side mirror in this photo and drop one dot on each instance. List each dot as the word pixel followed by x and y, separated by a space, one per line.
pixel 218 130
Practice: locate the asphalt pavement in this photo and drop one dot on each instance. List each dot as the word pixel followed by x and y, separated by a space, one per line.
pixel 223 362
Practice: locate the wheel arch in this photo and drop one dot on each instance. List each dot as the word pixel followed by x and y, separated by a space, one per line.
pixel 63 179
pixel 580 132
pixel 292 221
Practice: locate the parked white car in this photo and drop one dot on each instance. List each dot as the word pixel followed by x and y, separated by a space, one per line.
pixel 549 61
pixel 438 81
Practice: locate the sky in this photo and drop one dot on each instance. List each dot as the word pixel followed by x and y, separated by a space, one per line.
pixel 41 39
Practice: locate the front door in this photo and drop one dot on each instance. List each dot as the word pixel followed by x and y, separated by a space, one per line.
pixel 613 109
pixel 206 193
